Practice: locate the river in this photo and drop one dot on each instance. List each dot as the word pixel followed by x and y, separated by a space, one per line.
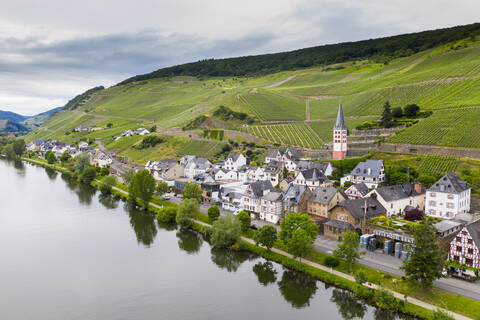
pixel 69 253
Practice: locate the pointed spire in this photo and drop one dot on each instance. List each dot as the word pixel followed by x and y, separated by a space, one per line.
pixel 340 124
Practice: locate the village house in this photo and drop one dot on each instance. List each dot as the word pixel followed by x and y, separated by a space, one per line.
pixel 322 200
pixel 204 177
pixel 357 191
pixel 398 197
pixel 254 192
pixel 295 198
pixel 273 172
pixel 234 161
pixel 195 166
pixel 231 195
pixel 255 174
pixel 284 184
pixel 370 172
pixel 465 250
pixel 225 175
pixel 101 159
pixel 35 145
pixel 210 192
pixel 142 131
pixel 312 178
pixel 271 208
pixel 324 167
pixel 448 197
pixel 290 159
pixel 165 170
pixel 274 154
pixel 352 215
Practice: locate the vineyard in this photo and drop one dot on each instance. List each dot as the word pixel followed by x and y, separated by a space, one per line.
pixel 270 106
pixel 437 164
pixel 290 134
pixel 454 128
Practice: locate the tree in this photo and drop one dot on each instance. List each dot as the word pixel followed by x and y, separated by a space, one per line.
pixel 104 171
pixel 107 183
pixel 285 173
pixel 167 215
pixel 50 157
pixel 19 147
pixel 386 300
pixel 81 162
pixel 348 249
pixel 153 129
pixel 186 212
pixel 127 176
pixel 9 151
pixel 192 191
pixel 386 119
pixel 88 175
pixel 411 110
pixel 426 260
pixel 295 221
pixel 245 220
pixel 213 213
pixel 266 236
pixel 300 243
pixel 162 188
pixel 109 125
pixel 65 157
pixel 397 112
pixel 142 186
pixel 226 231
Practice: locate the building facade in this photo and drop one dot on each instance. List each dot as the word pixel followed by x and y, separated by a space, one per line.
pixel 339 141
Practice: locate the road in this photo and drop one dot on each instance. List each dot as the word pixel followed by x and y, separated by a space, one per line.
pixel 386 263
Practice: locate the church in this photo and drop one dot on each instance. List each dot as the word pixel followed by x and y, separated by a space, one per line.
pixel 339 136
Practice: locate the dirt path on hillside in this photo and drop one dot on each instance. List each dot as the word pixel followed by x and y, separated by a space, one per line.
pixel 279 83
pixel 307 109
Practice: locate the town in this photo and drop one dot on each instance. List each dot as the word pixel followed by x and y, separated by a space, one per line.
pixel 361 201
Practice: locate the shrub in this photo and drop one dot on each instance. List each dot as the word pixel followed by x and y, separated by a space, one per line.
pixel 331 262
pixel 385 300
pixel 226 231
pixel 245 220
pixel 213 213
pixel 439 314
pixel 167 215
pixel 186 213
pixel 361 277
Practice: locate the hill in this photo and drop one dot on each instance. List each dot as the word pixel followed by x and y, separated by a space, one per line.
pixel 19 123
pixel 295 107
pixel 9 126
pixel 8 115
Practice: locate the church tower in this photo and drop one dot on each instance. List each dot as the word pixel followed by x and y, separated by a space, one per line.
pixel 339 136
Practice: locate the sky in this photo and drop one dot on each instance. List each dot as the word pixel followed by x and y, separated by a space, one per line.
pixel 52 50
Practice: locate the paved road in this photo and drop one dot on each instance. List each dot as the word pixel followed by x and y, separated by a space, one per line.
pixel 380 261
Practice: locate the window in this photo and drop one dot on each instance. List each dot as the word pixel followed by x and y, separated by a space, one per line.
pixel 456 258
pixel 432 203
pixel 470 251
pixel 433 194
pixel 470 241
pixel 450 205
pixel 459 249
pixel 468 262
pixel 459 239
pixel 450 196
pixel 391 205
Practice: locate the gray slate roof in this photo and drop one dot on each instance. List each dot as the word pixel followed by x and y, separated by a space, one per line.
pixel 294 193
pixel 474 230
pixel 272 153
pixel 339 224
pixel 322 195
pixel 340 124
pixel 399 191
pixel 314 174
pixel 357 207
pixel 362 188
pixel 273 196
pixel 259 186
pixel 362 169
pixel 450 183
pixel 234 156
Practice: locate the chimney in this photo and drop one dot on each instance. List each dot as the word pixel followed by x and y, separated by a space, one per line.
pixel 418 187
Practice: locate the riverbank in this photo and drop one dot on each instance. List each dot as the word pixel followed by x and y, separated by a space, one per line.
pixel 314 266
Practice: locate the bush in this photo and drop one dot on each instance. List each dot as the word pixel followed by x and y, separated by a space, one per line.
pixel 167 215
pixel 361 277
pixel 226 231
pixel 213 213
pixel 331 262
pixel 441 315
pixel 385 300
pixel 186 213
pixel 245 220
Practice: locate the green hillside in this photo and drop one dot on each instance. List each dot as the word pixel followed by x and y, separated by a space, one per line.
pixel 295 107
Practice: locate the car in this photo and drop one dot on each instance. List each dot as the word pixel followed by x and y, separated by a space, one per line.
pixel 236 212
pixel 166 197
pixel 253 227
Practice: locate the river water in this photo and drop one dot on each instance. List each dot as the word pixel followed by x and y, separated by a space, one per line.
pixel 68 253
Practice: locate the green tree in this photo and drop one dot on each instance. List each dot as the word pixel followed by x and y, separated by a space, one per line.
pixel 9 151
pixel 19 147
pixel 162 188
pixel 167 215
pixel 153 129
pixel 387 117
pixel 411 110
pixel 65 157
pixel 349 248
pixel 81 162
pixel 186 213
pixel 397 112
pixel 88 175
pixel 266 236
pixel 439 314
pixel 300 243
pixel 104 171
pixel 245 220
pixel 142 186
pixel 386 300
pixel 107 183
pixel 285 173
pixel 192 191
pixel 226 231
pixel 213 212
pixel 127 176
pixel 109 125
pixel 295 221
pixel 425 263
pixel 50 157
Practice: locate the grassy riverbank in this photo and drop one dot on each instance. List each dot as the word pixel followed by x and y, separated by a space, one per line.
pixel 454 303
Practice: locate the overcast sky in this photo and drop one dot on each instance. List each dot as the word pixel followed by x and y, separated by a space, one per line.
pixel 53 50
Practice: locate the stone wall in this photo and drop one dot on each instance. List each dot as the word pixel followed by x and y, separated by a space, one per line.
pixel 424 149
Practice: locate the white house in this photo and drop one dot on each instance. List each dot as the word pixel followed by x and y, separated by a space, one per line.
pixel 448 197
pixel 271 208
pixel 273 172
pixel 196 165
pixel 370 172
pixel 222 175
pixel 142 131
pixel 312 178
pixel 274 154
pixel 102 159
pixel 255 174
pixel 234 161
pixel 357 191
pixel 396 198
pixel 465 249
pixel 231 195
pixel 254 192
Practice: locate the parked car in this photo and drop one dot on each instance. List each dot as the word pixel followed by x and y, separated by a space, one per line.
pixel 179 196
pixel 236 212
pixel 253 227
pixel 166 197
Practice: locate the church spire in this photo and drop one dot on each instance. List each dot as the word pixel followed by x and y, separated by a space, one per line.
pixel 340 124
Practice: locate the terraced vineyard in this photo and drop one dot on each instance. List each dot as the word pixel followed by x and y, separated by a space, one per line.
pixel 438 164
pixel 324 128
pixel 290 134
pixel 453 128
pixel 272 106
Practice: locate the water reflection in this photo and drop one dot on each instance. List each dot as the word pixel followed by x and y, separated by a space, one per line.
pixel 166 226
pixel 298 288
pixel 143 224
pixel 349 307
pixel 52 174
pixel 228 259
pixel 382 314
pixel 108 201
pixel 265 273
pixel 83 191
pixel 19 165
pixel 189 241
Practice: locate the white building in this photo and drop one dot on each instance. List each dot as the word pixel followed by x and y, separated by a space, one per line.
pixel 271 208
pixel 224 175
pixel 253 194
pixel 339 136
pixel 312 178
pixel 234 161
pixel 396 198
pixel 448 197
pixel 370 172
pixel 195 165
